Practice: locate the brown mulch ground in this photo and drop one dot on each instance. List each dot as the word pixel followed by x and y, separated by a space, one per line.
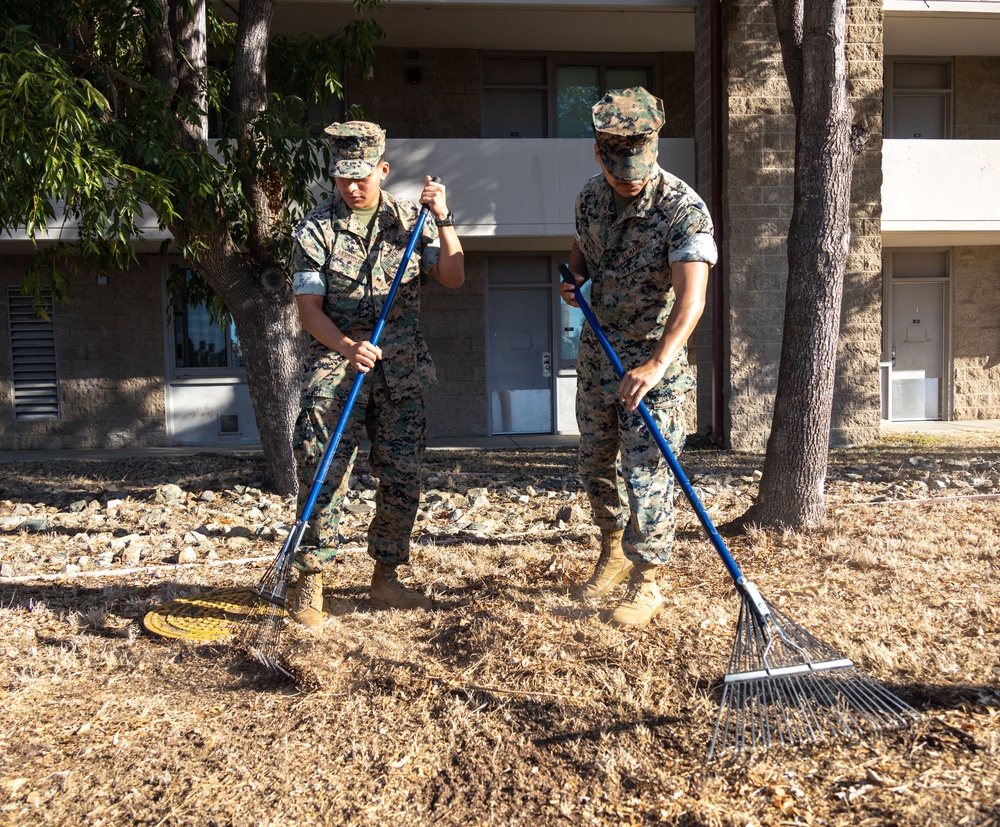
pixel 510 704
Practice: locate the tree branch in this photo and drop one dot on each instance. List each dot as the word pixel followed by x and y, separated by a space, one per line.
pixel 788 16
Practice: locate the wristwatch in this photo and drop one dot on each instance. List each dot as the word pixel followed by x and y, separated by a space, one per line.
pixel 447 221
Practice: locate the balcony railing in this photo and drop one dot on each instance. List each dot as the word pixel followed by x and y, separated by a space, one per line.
pixel 940 193
pixel 497 187
pixel 511 187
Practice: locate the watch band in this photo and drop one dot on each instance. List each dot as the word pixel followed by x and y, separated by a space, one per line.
pixel 447 221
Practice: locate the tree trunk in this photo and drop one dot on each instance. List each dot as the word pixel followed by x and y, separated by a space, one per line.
pixel 262 307
pixel 268 326
pixel 813 48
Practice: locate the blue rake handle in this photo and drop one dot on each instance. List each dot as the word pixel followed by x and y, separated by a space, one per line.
pixel 273 586
pixel 331 449
pixel 713 534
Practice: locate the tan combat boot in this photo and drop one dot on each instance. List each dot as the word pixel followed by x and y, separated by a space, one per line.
pixel 612 567
pixel 388 593
pixel 307 605
pixel 642 600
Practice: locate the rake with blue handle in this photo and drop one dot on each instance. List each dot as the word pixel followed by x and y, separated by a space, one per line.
pixel 783 687
pixel 261 633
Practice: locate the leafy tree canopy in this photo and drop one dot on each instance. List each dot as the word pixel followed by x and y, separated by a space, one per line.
pixel 95 138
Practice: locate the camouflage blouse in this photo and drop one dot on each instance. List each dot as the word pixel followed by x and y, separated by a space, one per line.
pixel 358 272
pixel 629 257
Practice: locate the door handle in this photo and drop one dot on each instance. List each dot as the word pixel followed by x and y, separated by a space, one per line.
pixel 546 364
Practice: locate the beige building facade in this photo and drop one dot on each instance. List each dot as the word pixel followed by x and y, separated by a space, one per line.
pixel 493 97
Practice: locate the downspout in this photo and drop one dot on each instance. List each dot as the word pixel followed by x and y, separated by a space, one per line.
pixel 717 436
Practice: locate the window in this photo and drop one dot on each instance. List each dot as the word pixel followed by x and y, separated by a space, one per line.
pixel 200 344
pixel 571 323
pixel 541 96
pixel 33 358
pixel 919 101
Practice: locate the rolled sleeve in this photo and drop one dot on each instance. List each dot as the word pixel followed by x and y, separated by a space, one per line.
pixel 308 283
pixel 697 247
pixel 430 256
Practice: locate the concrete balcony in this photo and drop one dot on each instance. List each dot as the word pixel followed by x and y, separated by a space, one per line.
pixel 499 188
pixel 503 189
pixel 940 193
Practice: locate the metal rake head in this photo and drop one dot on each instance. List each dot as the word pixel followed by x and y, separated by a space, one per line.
pixel 259 633
pixel 784 687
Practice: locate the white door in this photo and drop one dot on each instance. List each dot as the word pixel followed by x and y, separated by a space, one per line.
pixel 917 350
pixel 520 359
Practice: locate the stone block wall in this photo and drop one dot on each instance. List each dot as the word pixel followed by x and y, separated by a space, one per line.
pixel 759 135
pixel 759 161
pixel 437 93
pixel 421 93
pixel 976 335
pixel 977 98
pixel 454 324
pixel 679 98
pixel 706 339
pixel 856 401
pixel 110 364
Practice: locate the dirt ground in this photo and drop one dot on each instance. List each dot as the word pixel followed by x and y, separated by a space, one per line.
pixel 510 704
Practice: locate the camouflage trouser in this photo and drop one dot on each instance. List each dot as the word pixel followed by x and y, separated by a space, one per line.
pixel 397 432
pixel 626 476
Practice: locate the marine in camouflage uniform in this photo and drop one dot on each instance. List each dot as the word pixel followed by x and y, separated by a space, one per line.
pixel 645 240
pixel 345 256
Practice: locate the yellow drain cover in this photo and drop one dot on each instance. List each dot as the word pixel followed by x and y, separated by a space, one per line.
pixel 205 616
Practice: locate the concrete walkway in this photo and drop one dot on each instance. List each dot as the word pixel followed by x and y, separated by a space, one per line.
pixel 934 427
pixel 508 442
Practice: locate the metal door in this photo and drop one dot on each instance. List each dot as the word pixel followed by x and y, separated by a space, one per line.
pixel 917 354
pixel 520 360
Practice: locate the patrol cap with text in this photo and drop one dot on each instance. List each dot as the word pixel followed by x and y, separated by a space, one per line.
pixel 626 125
pixel 356 147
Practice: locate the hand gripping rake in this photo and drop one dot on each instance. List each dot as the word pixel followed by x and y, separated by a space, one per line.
pixel 262 633
pixel 784 687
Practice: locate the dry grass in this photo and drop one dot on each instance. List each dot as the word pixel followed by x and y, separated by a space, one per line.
pixel 511 704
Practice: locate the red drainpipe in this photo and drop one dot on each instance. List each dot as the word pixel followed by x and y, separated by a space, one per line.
pixel 717 436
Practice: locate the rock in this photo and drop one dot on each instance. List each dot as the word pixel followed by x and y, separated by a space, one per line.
pixel 207 496
pixel 186 555
pixel 170 493
pixel 37 525
pixel 570 514
pixel 362 507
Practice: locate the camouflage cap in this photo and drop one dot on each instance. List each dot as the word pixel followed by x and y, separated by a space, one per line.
pixel 356 147
pixel 626 125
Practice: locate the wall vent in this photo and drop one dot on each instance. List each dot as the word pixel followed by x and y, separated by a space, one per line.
pixel 229 424
pixel 33 358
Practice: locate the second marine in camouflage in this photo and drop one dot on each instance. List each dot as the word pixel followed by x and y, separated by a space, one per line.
pixel 645 241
